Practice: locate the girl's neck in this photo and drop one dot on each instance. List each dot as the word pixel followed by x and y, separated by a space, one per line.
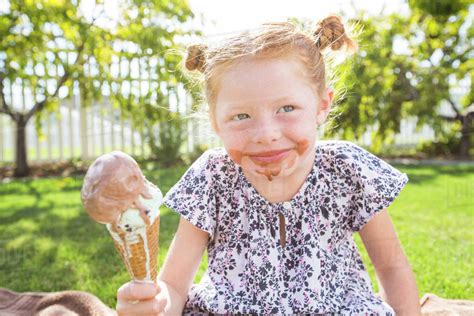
pixel 282 189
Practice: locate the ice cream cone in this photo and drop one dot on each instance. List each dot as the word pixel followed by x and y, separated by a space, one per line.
pixel 137 240
pixel 116 193
pixel 139 251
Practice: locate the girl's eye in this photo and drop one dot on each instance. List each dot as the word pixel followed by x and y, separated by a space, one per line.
pixel 239 116
pixel 288 108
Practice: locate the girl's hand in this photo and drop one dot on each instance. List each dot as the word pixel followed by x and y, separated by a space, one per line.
pixel 135 298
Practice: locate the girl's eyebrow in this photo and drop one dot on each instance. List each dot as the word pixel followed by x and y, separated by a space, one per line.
pixel 285 98
pixel 247 104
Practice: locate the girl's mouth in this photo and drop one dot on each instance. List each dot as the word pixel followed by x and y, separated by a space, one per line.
pixel 270 157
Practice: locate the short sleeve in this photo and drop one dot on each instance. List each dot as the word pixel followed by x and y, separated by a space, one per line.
pixel 193 195
pixel 372 183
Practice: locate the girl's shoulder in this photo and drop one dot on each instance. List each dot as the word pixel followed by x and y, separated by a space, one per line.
pixel 336 153
pixel 333 148
pixel 342 152
pixel 216 156
pixel 367 183
pixel 355 166
pixel 194 196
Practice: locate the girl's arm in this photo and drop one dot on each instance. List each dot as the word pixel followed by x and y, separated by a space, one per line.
pixel 395 277
pixel 181 264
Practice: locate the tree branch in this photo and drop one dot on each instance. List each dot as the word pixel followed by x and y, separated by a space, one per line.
pixel 453 106
pixel 4 108
pixel 469 112
pixel 40 105
pixel 448 118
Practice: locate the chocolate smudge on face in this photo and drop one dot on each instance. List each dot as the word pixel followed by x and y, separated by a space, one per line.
pixel 113 184
pixel 303 145
pixel 236 155
pixel 271 169
pixel 270 173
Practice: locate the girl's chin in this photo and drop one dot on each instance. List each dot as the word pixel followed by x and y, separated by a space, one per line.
pixel 266 173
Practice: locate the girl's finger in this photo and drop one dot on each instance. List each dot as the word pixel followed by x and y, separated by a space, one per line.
pixel 134 291
pixel 147 307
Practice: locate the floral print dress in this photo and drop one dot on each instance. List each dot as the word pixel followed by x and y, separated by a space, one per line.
pixel 319 269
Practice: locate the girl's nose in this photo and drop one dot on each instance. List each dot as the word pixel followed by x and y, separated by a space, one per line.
pixel 266 133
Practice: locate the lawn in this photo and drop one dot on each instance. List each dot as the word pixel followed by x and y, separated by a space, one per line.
pixel 48 242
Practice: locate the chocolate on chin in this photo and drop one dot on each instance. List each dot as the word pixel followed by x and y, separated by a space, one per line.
pixel 116 193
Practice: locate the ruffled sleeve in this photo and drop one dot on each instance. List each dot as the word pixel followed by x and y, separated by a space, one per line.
pixel 371 183
pixel 193 196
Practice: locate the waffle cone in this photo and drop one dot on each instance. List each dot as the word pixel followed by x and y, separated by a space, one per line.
pixel 133 251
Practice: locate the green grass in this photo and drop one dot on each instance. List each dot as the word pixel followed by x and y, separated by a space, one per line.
pixel 48 242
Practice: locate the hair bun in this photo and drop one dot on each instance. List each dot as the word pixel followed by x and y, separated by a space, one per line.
pixel 330 32
pixel 196 59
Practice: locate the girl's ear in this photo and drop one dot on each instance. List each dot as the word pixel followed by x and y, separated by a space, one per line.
pixel 324 106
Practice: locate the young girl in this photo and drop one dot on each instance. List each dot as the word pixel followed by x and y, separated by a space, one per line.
pixel 275 208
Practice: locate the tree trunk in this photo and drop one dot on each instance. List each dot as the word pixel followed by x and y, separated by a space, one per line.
pixel 21 169
pixel 466 134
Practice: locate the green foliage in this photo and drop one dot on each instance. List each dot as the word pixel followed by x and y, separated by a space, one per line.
pixel 445 144
pixel 440 9
pixel 406 66
pixel 439 148
pixel 171 135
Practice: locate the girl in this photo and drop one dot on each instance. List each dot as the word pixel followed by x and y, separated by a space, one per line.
pixel 275 208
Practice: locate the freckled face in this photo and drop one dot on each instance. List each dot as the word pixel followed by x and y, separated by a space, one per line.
pixel 266 114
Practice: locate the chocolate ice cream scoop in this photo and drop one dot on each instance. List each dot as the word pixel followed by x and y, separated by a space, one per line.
pixel 113 184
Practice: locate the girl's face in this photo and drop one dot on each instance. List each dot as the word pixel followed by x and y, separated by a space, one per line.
pixel 267 115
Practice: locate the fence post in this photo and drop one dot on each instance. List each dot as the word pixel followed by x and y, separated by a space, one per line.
pixel 189 126
pixel 60 131
pixel 112 125
pixel 60 124
pixel 102 129
pixel 37 138
pixel 91 130
pixel 13 125
pixel 70 120
pixel 83 129
pixel 71 106
pixel 2 135
pixel 23 106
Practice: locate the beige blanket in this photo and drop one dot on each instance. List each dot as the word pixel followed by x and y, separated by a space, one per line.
pixel 66 303
pixel 432 305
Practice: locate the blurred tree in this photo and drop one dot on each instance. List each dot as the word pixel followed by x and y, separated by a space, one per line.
pixel 52 46
pixel 408 66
